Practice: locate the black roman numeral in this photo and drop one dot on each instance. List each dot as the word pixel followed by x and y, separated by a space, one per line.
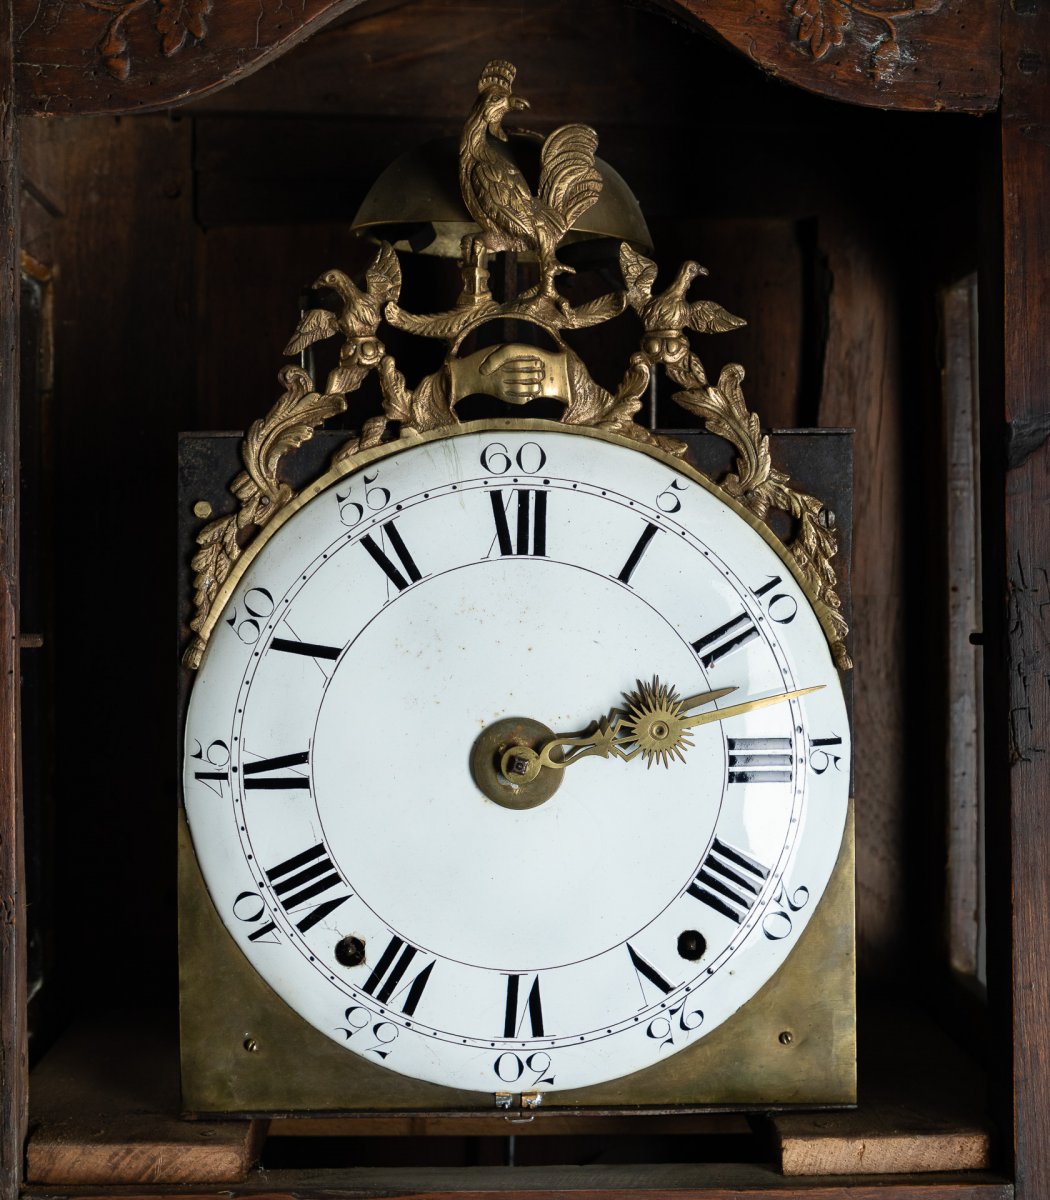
pixel 725 639
pixel 646 971
pixel 729 881
pixel 517 1011
pixel 302 878
pixel 401 550
pixel 308 649
pixel 276 782
pixel 640 547
pixel 530 528
pixel 759 760
pixel 389 971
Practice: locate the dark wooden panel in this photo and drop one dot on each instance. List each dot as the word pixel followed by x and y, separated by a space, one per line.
pixel 382 45
pixel 137 55
pixel 966 926
pixel 13 1050
pixel 861 391
pixel 124 243
pixel 249 284
pixel 1024 776
pixel 105 1111
pixel 117 1076
pixel 687 1182
pixel 603 62
pixel 870 54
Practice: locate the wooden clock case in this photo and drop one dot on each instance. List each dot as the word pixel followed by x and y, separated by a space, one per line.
pixel 175 174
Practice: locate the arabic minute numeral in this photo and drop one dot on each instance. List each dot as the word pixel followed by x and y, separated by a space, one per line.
pixel 781 607
pixel 821 759
pixel 250 908
pixel 258 605
pixel 217 756
pixel 510 1067
pixel 668 501
pixel 360 1020
pixel 777 922
pixel 530 458
pixel 351 512
pixel 665 1029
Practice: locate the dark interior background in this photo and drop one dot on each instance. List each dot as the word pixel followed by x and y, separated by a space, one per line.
pixel 180 244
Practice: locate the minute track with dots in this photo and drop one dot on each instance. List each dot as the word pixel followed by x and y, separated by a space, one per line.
pixel 541 574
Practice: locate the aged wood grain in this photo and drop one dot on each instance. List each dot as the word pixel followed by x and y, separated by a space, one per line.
pixel 887 1143
pixel 916 54
pixel 137 55
pixel 861 391
pixel 922 1108
pixel 104 1149
pixel 105 1110
pixel 125 371
pixel 12 876
pixel 963 659
pixel 715 1182
pixel 1026 550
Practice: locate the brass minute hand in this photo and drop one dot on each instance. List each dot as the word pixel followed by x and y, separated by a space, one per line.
pixel 734 710
pixel 607 738
pixel 654 725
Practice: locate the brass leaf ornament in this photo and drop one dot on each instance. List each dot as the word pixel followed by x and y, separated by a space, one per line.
pixel 509 217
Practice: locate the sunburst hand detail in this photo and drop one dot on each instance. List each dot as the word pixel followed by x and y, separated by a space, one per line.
pixel 653 725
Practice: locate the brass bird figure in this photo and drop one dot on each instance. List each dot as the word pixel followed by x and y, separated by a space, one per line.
pixel 670 312
pixel 496 193
pixel 362 310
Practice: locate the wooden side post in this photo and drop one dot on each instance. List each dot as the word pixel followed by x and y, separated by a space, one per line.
pixel 1026 563
pixel 13 1087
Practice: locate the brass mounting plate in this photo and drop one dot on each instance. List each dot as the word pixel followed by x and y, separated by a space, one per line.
pixel 747 1062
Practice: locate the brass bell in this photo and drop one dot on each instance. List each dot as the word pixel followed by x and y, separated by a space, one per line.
pixel 416 204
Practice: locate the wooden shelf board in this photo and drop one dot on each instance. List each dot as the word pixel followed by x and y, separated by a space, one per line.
pixel 713 1181
pixel 104 1112
pixel 886 1141
pixel 933 1118
pixel 105 1109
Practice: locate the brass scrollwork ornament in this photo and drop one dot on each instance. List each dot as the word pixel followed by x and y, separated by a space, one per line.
pixel 510 216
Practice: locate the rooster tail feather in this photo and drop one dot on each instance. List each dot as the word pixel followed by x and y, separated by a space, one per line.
pixel 383 277
pixel 569 181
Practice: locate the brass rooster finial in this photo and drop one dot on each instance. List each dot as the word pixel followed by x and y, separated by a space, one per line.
pixel 516 372
pixel 495 191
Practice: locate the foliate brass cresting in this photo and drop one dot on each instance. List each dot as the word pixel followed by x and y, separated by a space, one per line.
pixel 509 216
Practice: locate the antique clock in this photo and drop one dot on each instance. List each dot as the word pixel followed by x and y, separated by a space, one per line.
pixel 516 762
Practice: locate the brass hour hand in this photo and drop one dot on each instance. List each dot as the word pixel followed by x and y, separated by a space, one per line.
pixel 654 725
pixel 522 763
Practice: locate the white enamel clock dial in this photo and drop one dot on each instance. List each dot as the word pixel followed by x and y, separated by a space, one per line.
pixel 395 617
